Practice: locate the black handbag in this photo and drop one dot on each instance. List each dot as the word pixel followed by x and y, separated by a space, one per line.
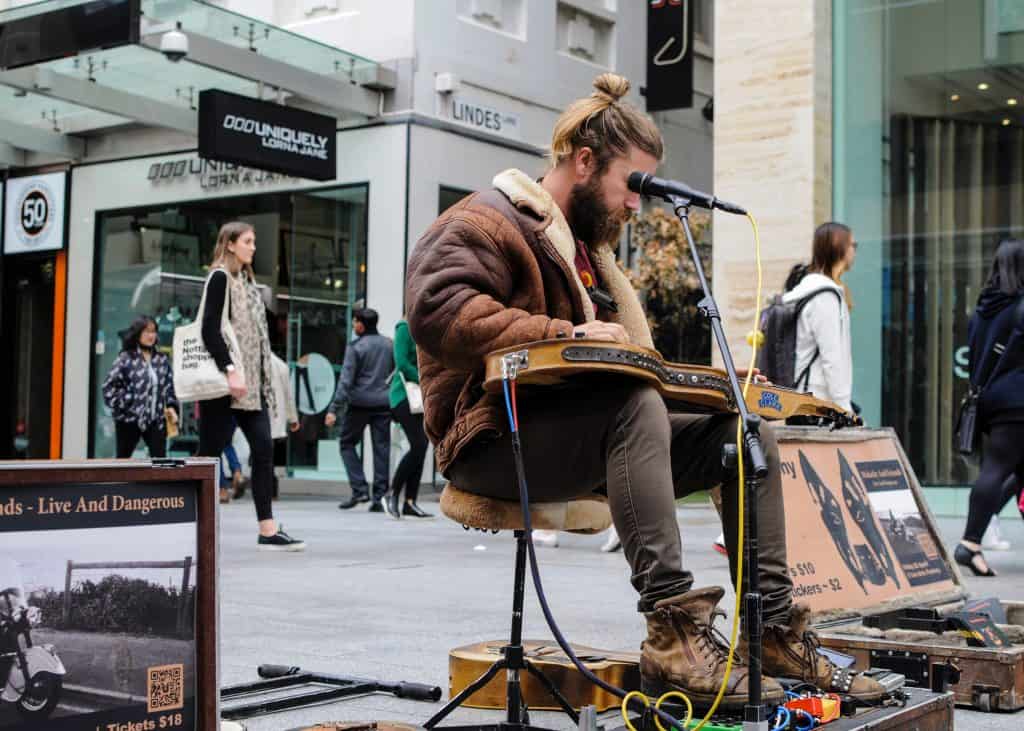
pixel 966 438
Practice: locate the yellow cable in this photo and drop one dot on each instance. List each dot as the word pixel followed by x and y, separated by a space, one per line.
pixel 741 496
pixel 625 710
pixel 672 694
pixel 755 342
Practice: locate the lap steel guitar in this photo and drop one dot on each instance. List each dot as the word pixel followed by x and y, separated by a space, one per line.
pixel 684 387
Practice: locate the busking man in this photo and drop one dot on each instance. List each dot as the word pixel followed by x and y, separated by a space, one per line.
pixel 532 260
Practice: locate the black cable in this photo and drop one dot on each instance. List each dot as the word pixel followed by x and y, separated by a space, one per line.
pixel 524 501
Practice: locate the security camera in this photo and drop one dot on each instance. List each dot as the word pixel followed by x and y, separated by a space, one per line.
pixel 174 44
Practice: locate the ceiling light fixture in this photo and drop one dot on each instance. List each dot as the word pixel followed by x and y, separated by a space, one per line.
pixel 982 86
pixel 1011 102
pixel 954 97
pixel 1006 122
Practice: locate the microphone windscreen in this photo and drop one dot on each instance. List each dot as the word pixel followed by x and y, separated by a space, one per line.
pixel 636 181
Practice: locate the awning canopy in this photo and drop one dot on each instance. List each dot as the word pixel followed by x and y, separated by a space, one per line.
pixel 48 106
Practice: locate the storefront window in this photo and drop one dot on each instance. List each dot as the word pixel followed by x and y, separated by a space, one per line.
pixel 310 261
pixel 928 163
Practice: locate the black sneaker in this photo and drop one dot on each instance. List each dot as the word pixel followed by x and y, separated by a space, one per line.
pixel 376 507
pixel 391 505
pixel 353 501
pixel 415 511
pixel 280 541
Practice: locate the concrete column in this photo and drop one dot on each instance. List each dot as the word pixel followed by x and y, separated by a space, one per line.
pixel 772 143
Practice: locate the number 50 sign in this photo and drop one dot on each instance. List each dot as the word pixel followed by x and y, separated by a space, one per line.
pixel 34 213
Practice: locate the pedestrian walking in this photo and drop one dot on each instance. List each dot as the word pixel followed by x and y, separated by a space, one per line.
pixel 995 339
pixel 824 359
pixel 409 416
pixel 233 282
pixel 362 399
pixel 231 486
pixel 139 391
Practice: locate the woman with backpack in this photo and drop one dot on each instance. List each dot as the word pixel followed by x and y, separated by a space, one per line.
pixel 139 391
pixel 824 360
pixel 995 338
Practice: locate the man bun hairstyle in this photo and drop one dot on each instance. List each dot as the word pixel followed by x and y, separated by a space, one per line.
pixel 605 124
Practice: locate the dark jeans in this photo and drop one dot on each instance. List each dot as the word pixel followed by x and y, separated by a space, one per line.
pixel 233 465
pixel 353 423
pixel 410 469
pixel 1002 458
pixel 621 438
pixel 127 434
pixel 217 422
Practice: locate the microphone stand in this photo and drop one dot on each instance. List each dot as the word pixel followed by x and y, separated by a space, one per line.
pixel 755 716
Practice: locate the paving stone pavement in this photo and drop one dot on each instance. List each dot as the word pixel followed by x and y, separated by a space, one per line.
pixel 386 599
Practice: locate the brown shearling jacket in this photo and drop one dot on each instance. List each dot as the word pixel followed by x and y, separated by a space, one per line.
pixel 496 270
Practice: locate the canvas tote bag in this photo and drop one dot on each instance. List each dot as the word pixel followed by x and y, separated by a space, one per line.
pixel 196 375
pixel 413 393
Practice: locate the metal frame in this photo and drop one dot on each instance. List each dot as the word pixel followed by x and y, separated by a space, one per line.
pixel 338 95
pixel 27 137
pixel 104 98
pixel 260 698
pixel 513 661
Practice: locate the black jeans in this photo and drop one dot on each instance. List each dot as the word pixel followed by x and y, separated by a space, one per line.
pixel 127 434
pixel 410 469
pixel 353 423
pixel 1002 458
pixel 216 425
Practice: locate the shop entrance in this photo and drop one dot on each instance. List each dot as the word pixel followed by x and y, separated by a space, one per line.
pixel 27 329
pixel 310 264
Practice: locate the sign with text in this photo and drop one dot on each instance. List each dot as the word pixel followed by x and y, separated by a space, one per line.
pixel 34 213
pixel 107 601
pixel 470 113
pixel 669 55
pixel 266 136
pixel 857 531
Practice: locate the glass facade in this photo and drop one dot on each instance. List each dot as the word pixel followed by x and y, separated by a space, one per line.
pixel 310 261
pixel 928 169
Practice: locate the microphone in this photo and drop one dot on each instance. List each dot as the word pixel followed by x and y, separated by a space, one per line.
pixel 649 185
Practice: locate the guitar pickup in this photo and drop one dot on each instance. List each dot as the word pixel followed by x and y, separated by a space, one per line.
pixel 511 363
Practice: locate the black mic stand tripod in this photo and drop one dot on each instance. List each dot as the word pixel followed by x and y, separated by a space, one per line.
pixel 755 714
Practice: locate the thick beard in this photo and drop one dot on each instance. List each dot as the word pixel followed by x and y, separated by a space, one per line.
pixel 592 221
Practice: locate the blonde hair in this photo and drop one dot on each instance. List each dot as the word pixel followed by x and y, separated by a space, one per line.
pixel 229 234
pixel 605 124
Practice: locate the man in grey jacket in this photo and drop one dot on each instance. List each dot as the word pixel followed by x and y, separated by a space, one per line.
pixel 361 399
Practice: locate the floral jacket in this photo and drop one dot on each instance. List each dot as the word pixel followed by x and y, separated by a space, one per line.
pixel 127 389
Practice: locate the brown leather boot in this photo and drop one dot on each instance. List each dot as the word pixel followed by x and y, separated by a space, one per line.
pixel 791 651
pixel 683 652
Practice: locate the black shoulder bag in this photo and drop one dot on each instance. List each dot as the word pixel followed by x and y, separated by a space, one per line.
pixel 967 437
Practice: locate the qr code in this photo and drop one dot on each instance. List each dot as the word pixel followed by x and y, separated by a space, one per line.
pixel 165 688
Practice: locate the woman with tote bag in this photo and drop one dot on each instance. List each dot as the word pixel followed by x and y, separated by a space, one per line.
pixel 232 299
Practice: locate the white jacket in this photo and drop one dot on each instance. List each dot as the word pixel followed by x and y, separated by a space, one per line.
pixel 285 413
pixel 824 326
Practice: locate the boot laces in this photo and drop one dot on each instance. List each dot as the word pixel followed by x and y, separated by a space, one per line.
pixel 811 643
pixel 710 639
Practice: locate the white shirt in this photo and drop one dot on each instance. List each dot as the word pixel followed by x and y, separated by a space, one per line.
pixel 824 326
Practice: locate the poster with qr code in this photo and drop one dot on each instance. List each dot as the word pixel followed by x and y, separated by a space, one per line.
pixel 98 606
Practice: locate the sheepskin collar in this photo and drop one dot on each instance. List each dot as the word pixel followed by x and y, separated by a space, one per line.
pixel 524 192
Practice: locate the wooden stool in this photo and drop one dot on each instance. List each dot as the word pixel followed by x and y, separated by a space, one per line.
pixel 587 514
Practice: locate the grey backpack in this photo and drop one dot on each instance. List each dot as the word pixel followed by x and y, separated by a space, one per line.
pixel 777 357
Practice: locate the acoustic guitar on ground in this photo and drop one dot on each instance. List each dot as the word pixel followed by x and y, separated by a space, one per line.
pixel 621 669
pixel 684 387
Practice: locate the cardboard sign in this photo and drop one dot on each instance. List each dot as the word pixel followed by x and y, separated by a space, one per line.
pixel 857 531
pixel 107 589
